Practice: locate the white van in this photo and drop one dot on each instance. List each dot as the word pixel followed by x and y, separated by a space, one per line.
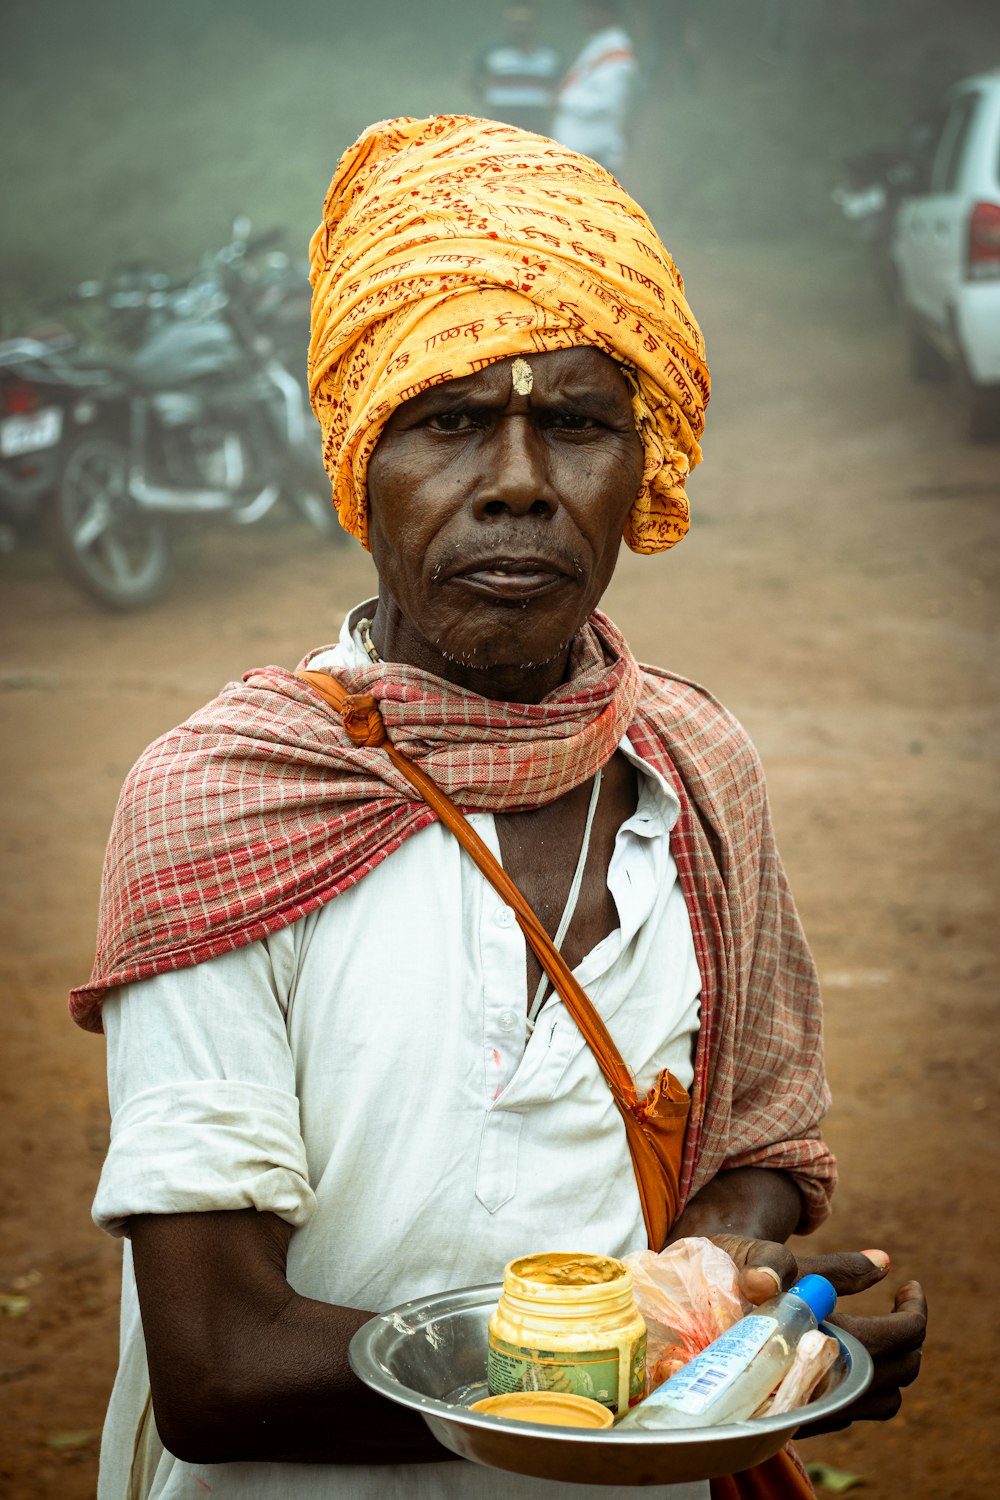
pixel 946 250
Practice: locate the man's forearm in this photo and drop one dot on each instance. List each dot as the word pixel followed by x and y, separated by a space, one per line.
pixel 304 1404
pixel 243 1368
pixel 753 1202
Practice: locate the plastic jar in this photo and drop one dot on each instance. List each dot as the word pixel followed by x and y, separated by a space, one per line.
pixel 568 1323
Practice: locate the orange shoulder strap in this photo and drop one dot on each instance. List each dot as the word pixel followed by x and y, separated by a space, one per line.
pixel 655 1125
pixel 364 724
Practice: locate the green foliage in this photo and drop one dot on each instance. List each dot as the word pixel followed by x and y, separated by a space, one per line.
pixel 834 1480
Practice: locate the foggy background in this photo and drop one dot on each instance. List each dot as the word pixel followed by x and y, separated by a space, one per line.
pixel 137 131
pixel 837 591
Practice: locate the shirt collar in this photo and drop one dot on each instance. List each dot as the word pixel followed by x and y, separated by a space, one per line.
pixel 658 805
pixel 350 649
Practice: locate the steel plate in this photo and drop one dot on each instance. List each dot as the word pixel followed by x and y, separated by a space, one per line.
pixel 430 1355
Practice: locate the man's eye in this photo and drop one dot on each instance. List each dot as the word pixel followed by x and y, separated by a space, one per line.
pixel 450 421
pixel 572 421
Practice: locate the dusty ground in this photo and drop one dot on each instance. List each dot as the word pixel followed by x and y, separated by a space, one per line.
pixel 838 591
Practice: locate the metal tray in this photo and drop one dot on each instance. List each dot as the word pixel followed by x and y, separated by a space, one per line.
pixel 430 1355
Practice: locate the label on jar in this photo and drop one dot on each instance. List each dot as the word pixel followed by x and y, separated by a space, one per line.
pixel 700 1382
pixel 586 1372
pixel 637 1374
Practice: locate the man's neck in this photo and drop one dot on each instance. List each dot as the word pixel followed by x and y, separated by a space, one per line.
pixel 395 639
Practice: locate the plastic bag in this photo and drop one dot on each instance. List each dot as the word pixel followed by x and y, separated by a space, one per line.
pixel 814 1359
pixel 688 1294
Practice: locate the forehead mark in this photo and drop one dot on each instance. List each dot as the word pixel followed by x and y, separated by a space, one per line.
pixel 522 377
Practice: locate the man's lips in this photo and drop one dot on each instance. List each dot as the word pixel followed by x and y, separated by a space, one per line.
pixel 512 577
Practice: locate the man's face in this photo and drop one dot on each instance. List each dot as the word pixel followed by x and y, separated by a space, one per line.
pixel 594 17
pixel 495 517
pixel 521 26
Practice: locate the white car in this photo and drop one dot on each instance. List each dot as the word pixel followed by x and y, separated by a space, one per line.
pixel 946 250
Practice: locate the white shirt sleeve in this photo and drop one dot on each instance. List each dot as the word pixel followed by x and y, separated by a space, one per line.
pixel 602 90
pixel 202 1089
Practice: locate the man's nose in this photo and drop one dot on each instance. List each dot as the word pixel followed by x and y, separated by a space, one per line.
pixel 516 478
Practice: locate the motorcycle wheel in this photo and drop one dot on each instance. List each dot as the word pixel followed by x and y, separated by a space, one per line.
pixel 309 493
pixel 116 552
pixel 319 512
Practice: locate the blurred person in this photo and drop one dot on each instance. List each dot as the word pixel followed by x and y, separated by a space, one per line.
pixel 337 1076
pixel 515 78
pixel 595 97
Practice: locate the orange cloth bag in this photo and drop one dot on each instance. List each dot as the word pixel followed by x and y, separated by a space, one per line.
pixel 779 1478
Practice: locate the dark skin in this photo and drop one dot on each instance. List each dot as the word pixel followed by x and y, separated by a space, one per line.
pixel 495 522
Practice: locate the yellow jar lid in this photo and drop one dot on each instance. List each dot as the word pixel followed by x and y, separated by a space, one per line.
pixel 554 1408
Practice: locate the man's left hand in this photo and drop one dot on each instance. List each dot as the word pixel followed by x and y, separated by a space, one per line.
pixel 894 1340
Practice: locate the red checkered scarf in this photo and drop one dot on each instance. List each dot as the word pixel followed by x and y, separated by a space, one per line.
pixel 260 808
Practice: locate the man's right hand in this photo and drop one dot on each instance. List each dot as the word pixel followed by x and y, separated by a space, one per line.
pixel 243 1368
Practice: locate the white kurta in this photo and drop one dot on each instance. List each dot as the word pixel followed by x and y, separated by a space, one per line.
pixel 364 1074
pixel 593 102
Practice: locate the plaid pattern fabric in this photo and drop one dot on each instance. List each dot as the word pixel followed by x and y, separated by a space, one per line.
pixel 259 809
pixel 759 1092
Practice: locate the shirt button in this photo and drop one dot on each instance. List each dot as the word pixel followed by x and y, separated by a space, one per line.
pixel 508 1021
pixel 505 916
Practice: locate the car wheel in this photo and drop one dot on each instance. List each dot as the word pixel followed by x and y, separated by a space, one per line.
pixel 981 408
pixel 114 550
pixel 926 363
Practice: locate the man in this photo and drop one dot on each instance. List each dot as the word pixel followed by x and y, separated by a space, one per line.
pixel 332 1089
pixel 515 79
pixel 592 105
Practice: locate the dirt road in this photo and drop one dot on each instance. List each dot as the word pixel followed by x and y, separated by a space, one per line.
pixel 839 593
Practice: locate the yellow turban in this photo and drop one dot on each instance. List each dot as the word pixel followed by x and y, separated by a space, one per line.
pixel 451 242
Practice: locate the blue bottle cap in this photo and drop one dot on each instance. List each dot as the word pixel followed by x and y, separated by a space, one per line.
pixel 818 1294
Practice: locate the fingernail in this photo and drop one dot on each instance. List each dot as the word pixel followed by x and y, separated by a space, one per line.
pixel 769 1271
pixel 878 1259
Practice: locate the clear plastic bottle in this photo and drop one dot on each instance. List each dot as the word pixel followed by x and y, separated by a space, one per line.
pixel 729 1379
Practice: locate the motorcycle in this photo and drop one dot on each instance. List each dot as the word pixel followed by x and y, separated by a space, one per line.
pixel 60 461
pixel 202 411
pixel 31 430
